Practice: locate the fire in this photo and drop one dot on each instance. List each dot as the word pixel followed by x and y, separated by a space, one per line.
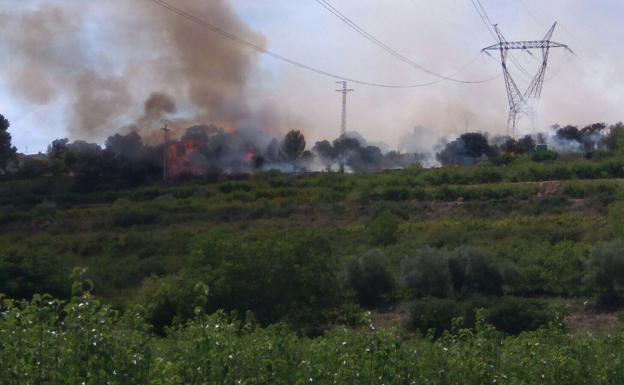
pixel 250 155
pixel 180 158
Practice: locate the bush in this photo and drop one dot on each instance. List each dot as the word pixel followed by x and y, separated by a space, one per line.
pixel 472 271
pixel 544 156
pixel 426 273
pixel 605 273
pixel 436 315
pixel 510 315
pixel 163 299
pixel 25 272
pixel 514 315
pixel 278 275
pixel 370 280
pixel 383 229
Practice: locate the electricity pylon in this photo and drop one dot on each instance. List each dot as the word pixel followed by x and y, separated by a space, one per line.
pixel 522 103
pixel 344 91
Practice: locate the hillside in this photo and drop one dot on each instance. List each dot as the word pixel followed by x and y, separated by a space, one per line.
pixel 400 253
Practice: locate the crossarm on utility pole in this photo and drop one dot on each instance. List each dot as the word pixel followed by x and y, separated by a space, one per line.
pixel 524 45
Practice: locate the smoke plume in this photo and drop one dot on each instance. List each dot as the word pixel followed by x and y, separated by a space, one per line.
pixel 147 56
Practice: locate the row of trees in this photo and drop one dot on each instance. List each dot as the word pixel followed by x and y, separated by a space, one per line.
pixel 469 148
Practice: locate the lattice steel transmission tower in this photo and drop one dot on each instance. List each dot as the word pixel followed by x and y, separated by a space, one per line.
pixel 522 103
pixel 344 91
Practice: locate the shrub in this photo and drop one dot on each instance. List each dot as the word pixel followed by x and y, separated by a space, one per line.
pixel 472 271
pixel 510 315
pixel 436 314
pixel 279 275
pixel 605 273
pixel 383 229
pixel 544 156
pixel 164 299
pixel 514 315
pixel 426 273
pixel 370 280
pixel 25 272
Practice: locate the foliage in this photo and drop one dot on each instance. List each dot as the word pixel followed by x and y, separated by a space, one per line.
pixel 84 341
pixel 293 145
pixel 383 228
pixel 277 275
pixel 426 273
pixel 605 272
pixel 511 315
pixel 370 280
pixel 25 271
pixel 7 151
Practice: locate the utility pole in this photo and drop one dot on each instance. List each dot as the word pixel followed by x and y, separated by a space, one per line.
pixel 165 131
pixel 344 91
pixel 523 103
pixel 343 125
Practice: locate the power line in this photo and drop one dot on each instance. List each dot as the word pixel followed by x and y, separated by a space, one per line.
pixel 489 25
pixel 206 25
pixel 437 15
pixel 325 4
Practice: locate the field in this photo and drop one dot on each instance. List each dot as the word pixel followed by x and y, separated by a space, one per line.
pixel 471 275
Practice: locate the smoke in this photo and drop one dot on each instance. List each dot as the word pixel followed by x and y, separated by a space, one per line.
pixel 104 70
pixel 103 60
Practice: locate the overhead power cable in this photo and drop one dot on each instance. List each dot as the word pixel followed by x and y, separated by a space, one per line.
pixel 489 25
pixel 210 27
pixel 325 4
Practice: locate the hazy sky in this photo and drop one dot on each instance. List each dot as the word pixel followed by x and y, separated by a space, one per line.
pixel 443 35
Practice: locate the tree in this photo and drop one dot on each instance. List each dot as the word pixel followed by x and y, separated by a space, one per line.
pixel 615 138
pixel 57 148
pixel 569 133
pixel 525 145
pixel 326 153
pixel 293 145
pixel 466 150
pixel 129 146
pixel 475 144
pixel 7 151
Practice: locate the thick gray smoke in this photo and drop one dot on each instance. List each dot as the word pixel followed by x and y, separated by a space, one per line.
pixel 146 57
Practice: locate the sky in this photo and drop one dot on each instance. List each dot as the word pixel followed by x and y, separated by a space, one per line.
pixel 441 35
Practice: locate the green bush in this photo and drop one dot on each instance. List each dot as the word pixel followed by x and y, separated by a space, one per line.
pixel 25 272
pixel 383 229
pixel 544 156
pixel 279 275
pixel 472 271
pixel 513 315
pixel 605 273
pixel 162 300
pixel 510 315
pixel 368 277
pixel 426 273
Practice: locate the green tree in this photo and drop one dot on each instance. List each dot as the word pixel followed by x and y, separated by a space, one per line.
pixel 293 146
pixel 7 151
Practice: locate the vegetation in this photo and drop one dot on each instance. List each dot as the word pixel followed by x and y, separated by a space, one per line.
pixel 270 277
